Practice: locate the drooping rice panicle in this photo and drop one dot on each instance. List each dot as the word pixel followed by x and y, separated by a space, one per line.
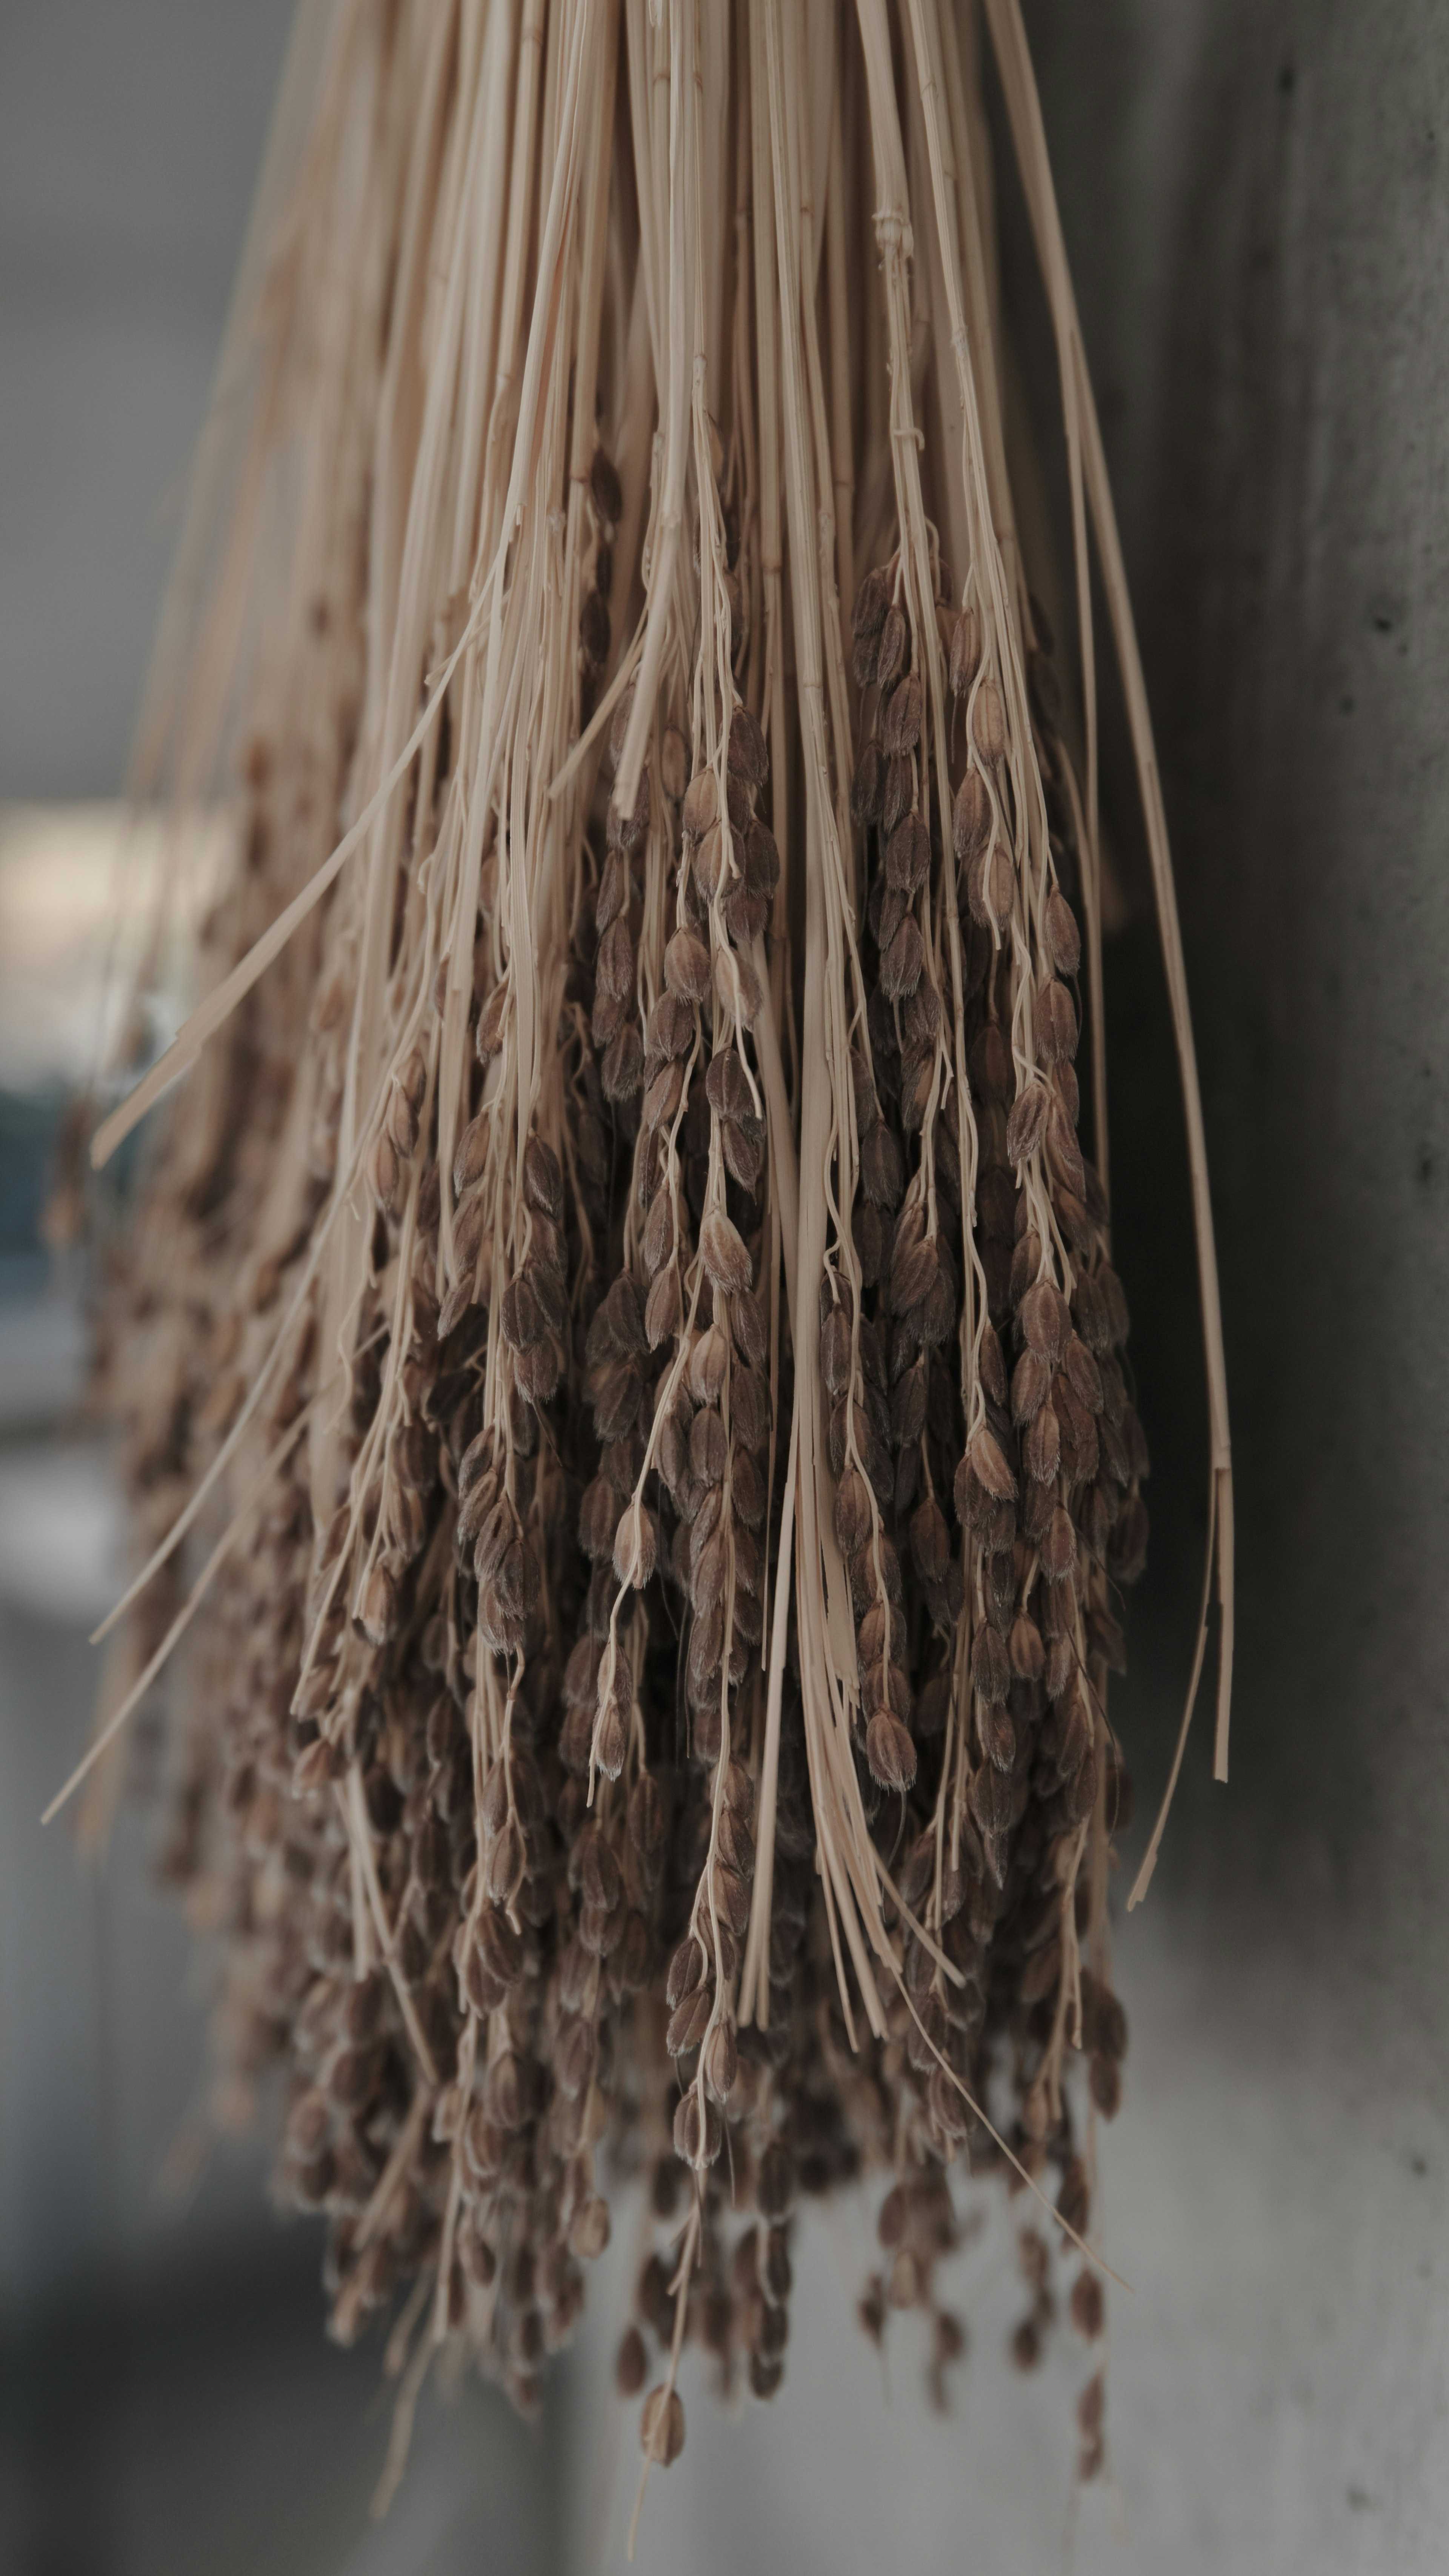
pixel 621 1368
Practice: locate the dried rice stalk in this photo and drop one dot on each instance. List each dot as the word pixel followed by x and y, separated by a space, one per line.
pixel 622 1307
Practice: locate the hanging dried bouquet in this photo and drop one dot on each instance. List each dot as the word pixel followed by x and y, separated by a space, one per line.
pixel 628 1431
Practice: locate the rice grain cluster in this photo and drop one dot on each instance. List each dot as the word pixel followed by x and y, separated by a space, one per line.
pixel 629 1430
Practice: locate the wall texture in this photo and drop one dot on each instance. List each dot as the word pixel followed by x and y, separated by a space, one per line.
pixel 130 138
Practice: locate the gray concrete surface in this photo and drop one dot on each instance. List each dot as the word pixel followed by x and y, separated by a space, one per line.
pixel 130 137
pixel 205 2425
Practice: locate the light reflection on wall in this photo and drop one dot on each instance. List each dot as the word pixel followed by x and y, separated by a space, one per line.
pixel 99 905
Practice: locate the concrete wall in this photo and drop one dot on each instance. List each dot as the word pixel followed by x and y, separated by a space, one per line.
pixel 130 136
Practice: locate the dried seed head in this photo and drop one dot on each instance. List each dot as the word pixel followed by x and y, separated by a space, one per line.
pixel 594 1870
pixel 990 885
pixel 726 1086
pixel 636 1547
pixel 749 1323
pixel 623 1068
pixel 1046 1321
pixel 1104 2081
pixel 900 722
pixel 871 1242
pixel 986 1458
pixel 1087 2307
pixel 970 818
pixel 739 1791
pixel 623 1319
pixel 762 858
pixel 965 652
pixel 750 1408
pixel 701 804
pixel 992 1078
pixel 882 1167
pixel 685 1976
pixel 900 968
pixel 631 2363
pixel 379 1608
pixel 472 1153
pixel 720 2061
pixel 892 650
pixel 520 1314
pixel 743 1148
pixel 628 830
pixel 988 722
pixel 913 1271
pixel 867 618
pixel 1089 1306
pixel 1030 1382
pixel 663 1096
pixel 611 1736
pixel 775 2182
pixel 736 988
pixel 890 1752
pixel 1118 1320
pixel 647 1822
pixel 709 1448
pixel 402 1118
pixel 993 1366
pixel 1063 939
pixel 1074 2200
pixel 897 793
pixel 499 1946
pixel 1127 1554
pixel 673 764
pixel 1061 1667
pixel 1041 1447
pixel 488 1037
pixel 852 1512
pixel 697 2132
pixel 661 2432
pixel 930 1541
pixel 1082 1373
pixel 1027 1122
pixel 708 1361
pixel 908 851
pixel 989 1799
pixel 1056 1023
pixel 1025 1649
pixel 384 1171
pixel 594 629
pixel 505 1866
pixel 607 492
pixel 724 1254
pixel 1059 1547
pixel 686 967
pixel 867 788
pixel 749 758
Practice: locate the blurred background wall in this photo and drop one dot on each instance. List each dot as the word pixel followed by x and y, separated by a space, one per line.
pixel 1255 202
pixel 167 2401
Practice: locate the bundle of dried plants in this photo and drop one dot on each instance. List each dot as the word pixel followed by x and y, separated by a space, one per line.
pixel 628 1430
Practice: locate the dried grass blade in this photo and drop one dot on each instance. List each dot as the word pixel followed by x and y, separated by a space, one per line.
pixel 1029 137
